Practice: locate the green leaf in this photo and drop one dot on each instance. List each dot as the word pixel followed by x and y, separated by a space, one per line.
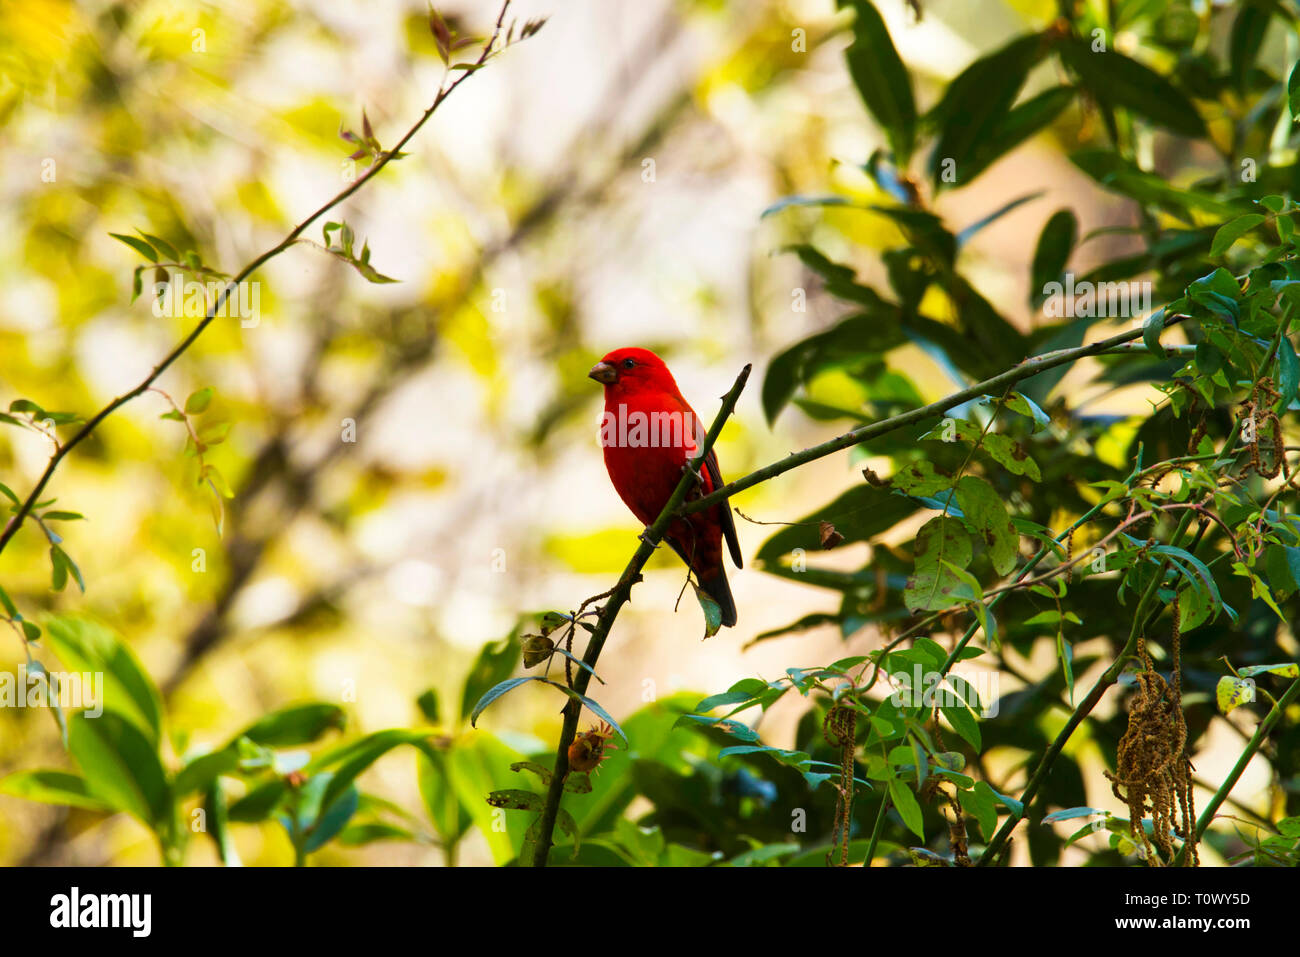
pixel 446 814
pixel 216 481
pixel 543 772
pixel 908 809
pixel 1194 571
pixel 1010 803
pixel 973 591
pixel 428 705
pixel 967 233
pixel 763 854
pixel 1293 92
pixel 963 721
pixel 166 249
pixel 859 514
pixel 1288 374
pixel 1023 405
pixel 1231 693
pixel 496 691
pixel 799 201
pixel 58 568
pixel 1288 669
pixel 28 406
pixel 8 604
pixel 358 835
pixel 1152 326
pixel 294 725
pixel 1247 36
pixel 477 765
pixel 975 104
pixel 52 787
pixel 516 799
pixel 1011 455
pixel 334 816
pixel 371 274
pixel 72 567
pixel 214 805
pixel 139 245
pixel 1282 564
pixel 495 662
pixel 933 586
pixel 746 689
pixel 83 645
pixel 1231 231
pixel 985 510
pixel 259 803
pixel 876 330
pixel 121 766
pixel 921 479
pixel 882 79
pixel 1118 81
pixel 1022 122
pixel 1070 813
pixel 198 401
pixel 351 759
pixel 980 801
pixel 712 611
pixel 1052 254
pixel 1065 654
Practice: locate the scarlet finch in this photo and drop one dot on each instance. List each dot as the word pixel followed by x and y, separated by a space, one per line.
pixel 649 434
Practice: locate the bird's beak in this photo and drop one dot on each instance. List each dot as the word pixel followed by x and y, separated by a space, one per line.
pixel 603 372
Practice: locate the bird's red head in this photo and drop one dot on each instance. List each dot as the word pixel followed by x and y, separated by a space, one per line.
pixel 631 370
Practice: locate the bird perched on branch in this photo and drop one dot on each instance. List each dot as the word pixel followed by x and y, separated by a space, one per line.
pixel 650 434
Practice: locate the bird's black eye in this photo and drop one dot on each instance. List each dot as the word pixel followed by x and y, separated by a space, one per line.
pixel 628 363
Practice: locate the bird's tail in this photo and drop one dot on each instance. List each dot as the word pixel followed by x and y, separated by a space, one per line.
pixel 716 587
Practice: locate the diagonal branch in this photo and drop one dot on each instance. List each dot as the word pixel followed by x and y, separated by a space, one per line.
pixel 609 611
pixel 1256 741
pixel 218 304
pixel 1025 370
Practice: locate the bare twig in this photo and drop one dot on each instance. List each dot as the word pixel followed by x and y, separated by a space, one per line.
pixel 1025 370
pixel 94 422
pixel 609 611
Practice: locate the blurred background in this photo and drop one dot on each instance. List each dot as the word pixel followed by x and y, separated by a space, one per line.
pixel 599 185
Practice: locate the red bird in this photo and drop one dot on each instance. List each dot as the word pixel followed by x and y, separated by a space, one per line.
pixel 650 433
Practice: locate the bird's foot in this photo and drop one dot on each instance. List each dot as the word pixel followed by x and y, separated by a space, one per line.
pixel 687 469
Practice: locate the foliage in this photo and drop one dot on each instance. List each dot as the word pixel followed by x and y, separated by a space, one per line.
pixel 1010 520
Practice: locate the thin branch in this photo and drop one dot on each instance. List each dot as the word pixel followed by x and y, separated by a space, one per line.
pixel 91 425
pixel 1025 370
pixel 1140 621
pixel 618 596
pixel 1256 741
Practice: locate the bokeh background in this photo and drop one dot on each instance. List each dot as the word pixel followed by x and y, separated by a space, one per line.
pixel 597 186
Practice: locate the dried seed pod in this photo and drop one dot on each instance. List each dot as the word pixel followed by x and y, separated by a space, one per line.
pixel 588 749
pixel 537 649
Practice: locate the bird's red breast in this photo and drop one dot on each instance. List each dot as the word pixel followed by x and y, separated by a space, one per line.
pixel 648 433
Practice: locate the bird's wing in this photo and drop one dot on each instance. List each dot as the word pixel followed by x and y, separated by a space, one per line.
pixel 724 510
pixel 715 482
